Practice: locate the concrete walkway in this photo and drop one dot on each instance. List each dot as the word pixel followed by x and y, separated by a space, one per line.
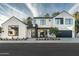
pixel 62 40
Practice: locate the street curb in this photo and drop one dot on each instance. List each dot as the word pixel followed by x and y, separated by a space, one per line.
pixel 39 41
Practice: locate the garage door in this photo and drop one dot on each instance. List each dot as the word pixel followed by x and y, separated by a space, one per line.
pixel 65 33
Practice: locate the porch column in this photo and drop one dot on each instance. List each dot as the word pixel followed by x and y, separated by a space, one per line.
pixel 36 30
pixel 48 32
pixel 29 33
pixel 38 33
pixel 73 34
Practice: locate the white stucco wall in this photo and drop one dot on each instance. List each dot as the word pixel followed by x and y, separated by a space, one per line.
pixel 14 21
pixel 52 23
pixel 29 33
pixel 64 26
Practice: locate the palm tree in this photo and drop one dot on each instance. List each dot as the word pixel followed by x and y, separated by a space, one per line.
pixel 76 16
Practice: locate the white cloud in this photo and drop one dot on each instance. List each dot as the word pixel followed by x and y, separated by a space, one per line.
pixel 3 19
pixel 74 9
pixel 32 9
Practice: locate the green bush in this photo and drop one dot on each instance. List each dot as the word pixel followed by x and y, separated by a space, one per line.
pixel 53 31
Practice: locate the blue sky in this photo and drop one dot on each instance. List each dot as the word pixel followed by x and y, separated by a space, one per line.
pixel 41 7
pixel 23 10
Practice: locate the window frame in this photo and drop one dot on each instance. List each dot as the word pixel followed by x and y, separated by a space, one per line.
pixel 34 21
pixel 42 21
pixel 59 21
pixel 69 22
pixel 9 30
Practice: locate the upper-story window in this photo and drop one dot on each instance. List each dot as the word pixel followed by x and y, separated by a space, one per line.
pixel 42 22
pixel 68 21
pixel 34 21
pixel 59 21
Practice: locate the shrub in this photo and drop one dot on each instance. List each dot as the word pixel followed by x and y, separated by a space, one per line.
pixel 53 31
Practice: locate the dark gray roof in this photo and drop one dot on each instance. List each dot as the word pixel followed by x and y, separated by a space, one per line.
pixel 51 17
pixel 42 17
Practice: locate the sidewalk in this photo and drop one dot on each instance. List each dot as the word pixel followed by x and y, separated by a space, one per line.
pixel 62 40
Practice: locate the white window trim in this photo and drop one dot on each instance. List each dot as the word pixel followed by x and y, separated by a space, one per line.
pixel 65 21
pixel 59 22
pixel 44 20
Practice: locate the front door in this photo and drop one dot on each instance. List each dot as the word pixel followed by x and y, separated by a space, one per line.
pixel 43 33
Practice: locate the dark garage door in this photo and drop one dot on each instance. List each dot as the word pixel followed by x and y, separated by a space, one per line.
pixel 65 33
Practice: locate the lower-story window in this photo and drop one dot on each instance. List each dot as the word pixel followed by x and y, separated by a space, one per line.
pixel 43 33
pixel 13 30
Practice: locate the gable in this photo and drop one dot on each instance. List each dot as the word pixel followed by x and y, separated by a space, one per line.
pixel 64 14
pixel 13 20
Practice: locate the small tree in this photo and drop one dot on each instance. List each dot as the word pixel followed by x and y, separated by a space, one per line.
pixel 55 14
pixel 28 20
pixel 53 31
pixel 46 15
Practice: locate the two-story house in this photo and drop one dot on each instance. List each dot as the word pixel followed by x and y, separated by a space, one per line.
pixel 64 22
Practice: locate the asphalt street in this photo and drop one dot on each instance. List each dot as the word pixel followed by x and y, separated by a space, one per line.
pixel 39 49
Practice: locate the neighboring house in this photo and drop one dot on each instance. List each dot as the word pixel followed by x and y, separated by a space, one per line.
pixel 14 28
